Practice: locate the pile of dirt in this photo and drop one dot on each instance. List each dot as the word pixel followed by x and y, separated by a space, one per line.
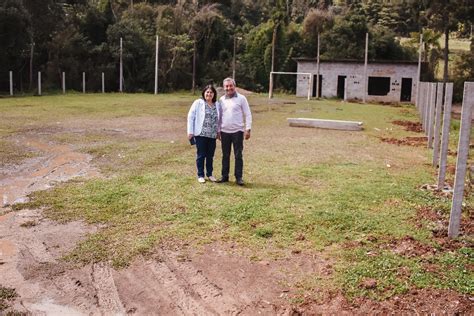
pixel 409 125
pixel 408 141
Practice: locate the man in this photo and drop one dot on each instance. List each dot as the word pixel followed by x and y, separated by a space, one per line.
pixel 236 123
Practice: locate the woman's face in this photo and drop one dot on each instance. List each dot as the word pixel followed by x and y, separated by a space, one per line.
pixel 208 95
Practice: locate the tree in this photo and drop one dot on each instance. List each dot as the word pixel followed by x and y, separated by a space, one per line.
pixel 15 37
pixel 347 38
pixel 443 16
pixel 316 22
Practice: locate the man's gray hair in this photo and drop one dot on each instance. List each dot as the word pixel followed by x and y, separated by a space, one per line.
pixel 229 79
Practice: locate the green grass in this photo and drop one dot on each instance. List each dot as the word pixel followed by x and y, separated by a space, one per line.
pixel 6 295
pixel 308 189
pixel 396 274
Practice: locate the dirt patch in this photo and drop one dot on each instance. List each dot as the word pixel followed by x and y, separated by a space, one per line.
pixel 213 279
pixel 407 141
pixel 57 163
pixel 409 125
pixel 419 302
pixel 439 226
pixel 409 247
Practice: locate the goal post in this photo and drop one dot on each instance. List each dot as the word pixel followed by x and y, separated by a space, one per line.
pixel 270 86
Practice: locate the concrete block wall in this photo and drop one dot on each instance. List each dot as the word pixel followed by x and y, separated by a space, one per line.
pixel 354 72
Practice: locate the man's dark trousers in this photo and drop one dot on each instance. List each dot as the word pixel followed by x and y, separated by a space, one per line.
pixel 235 140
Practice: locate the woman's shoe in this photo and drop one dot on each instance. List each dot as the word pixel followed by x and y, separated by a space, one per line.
pixel 212 178
pixel 201 180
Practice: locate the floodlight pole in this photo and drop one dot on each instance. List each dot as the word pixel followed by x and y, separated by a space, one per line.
pixel 39 82
pixel 11 82
pixel 156 65
pixel 317 70
pixel 419 72
pixel 365 65
pixel 64 82
pixel 121 67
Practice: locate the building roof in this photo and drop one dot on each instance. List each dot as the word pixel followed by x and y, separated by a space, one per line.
pixel 356 61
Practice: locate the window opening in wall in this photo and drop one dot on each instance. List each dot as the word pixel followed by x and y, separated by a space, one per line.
pixel 379 85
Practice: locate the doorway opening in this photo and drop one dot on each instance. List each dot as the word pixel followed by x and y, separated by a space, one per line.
pixel 320 85
pixel 405 95
pixel 341 83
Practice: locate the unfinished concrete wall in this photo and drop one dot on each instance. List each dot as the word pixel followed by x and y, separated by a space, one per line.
pixel 354 71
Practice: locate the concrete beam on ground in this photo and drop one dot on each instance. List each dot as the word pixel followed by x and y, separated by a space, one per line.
pixel 326 124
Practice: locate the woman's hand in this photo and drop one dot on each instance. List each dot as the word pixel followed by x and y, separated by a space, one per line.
pixel 190 136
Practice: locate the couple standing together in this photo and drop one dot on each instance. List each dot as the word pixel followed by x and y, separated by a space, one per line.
pixel 228 120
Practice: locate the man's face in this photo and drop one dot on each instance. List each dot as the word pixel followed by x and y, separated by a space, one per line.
pixel 229 88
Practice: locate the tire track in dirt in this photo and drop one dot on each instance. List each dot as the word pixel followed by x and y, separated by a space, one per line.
pixel 107 296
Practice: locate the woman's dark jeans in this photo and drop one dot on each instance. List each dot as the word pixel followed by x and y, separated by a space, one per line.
pixel 206 148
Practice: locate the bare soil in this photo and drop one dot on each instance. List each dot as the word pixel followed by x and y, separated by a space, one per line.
pixel 409 125
pixel 407 141
pixel 218 278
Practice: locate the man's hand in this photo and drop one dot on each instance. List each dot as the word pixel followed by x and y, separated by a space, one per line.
pixel 247 134
pixel 190 136
pixel 219 135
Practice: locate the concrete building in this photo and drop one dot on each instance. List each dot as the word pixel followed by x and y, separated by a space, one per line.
pixel 387 81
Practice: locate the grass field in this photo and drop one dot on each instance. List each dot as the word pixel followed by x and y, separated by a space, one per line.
pixel 347 195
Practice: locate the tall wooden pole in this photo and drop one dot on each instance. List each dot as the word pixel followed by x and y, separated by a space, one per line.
pixel 273 47
pixel 270 83
pixel 103 82
pixel 365 65
pixel 83 82
pixel 317 70
pixel 233 57
pixel 156 64
pixel 194 65
pixel 32 50
pixel 121 68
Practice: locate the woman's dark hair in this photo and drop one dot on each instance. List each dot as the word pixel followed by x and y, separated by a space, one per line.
pixel 209 86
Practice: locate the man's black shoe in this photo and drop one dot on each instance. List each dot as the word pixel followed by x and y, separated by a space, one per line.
pixel 222 180
pixel 239 181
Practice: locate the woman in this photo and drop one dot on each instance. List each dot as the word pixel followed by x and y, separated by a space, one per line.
pixel 203 126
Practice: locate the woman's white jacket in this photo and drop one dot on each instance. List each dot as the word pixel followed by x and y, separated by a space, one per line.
pixel 196 117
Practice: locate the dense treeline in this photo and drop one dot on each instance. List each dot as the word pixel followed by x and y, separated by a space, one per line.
pixel 78 36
